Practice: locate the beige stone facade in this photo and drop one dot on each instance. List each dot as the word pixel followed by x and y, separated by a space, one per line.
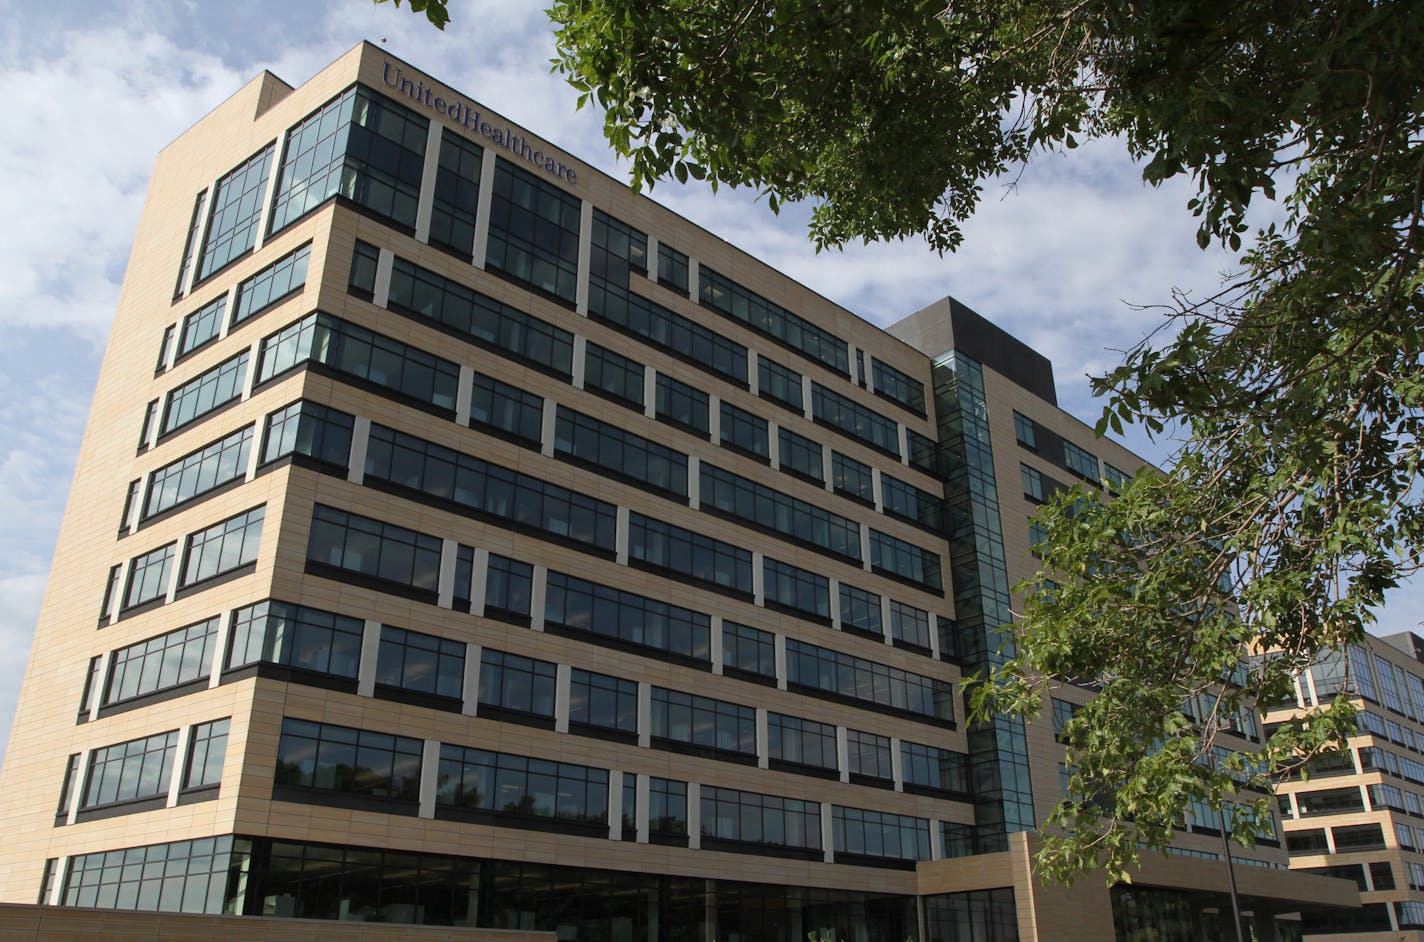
pixel 860 818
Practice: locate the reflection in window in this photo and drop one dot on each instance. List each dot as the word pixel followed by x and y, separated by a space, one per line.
pixel 223 547
pixel 296 636
pixel 375 549
pixel 236 211
pixel 353 761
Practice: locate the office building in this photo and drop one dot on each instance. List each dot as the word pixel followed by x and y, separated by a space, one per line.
pixel 1357 815
pixel 461 539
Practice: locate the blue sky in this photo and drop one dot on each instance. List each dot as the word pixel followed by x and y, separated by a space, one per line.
pixel 1064 259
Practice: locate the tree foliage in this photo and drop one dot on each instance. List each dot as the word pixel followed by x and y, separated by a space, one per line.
pixel 435 10
pixel 1293 397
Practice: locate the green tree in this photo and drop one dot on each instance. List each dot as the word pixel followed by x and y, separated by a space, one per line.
pixel 1292 398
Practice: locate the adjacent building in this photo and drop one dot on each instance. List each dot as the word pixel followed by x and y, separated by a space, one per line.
pixel 1357 815
pixel 461 539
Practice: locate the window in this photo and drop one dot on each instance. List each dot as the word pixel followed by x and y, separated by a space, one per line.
pixel 508 587
pixel 479 319
pixel 457 194
pixel 311 430
pixel 680 717
pixel 148 576
pixel 924 452
pixel 897 386
pixel 672 268
pixel 604 702
pixel 795 741
pixel 682 405
pixel 130 771
pixel 1026 431
pixel 150 419
pixel 860 611
pixel 779 383
pixel 742 431
pixel 869 755
pixel 662 546
pixel 752 818
pixel 768 509
pixel 190 245
pixel 184 876
pixel 413 464
pixel 854 420
pixel 197 473
pixel 1032 483
pixel 1080 462
pixel 894 556
pixel 67 787
pixel 165 348
pixel 236 211
pixel 851 478
pixel 361 146
pixel 797 589
pixel 515 683
pixel 799 455
pixel 770 319
pixel 206 755
pixel 843 676
pixel 296 636
pixel 612 374
pixel 521 787
pixel 863 833
pixel 370 357
pixel 374 549
pixel 909 625
pixel 1385 672
pixel 748 650
pixel 204 393
pixel 1361 673
pixel 506 409
pixel 934 769
pixel 410 660
pixel 579 605
pixel 202 326
pixel 111 589
pixel 910 503
pixel 667 808
pixel 365 259
pixel 667 330
pixel 169 660
pixel 93 687
pixel 130 501
pixel 464 576
pixel 223 547
pixel 1114 479
pixel 353 761
pixel 272 285
pixel 1359 837
pixel 629 456
pixel 533 231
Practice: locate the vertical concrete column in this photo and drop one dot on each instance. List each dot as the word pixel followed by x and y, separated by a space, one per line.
pixel 806 409
pixel 615 805
pixel 865 547
pixel 620 535
pixel 717 644
pixel 76 792
pixel 356 458
pixel 479 578
pixel 773 445
pixel 694 815
pixel 828 468
pixel 254 357
pixel 254 459
pixel 206 218
pixel 694 274
pixel 425 205
pixel 370 651
pixel 563 675
pixel 828 837
pixel 537 592
pixel 106 664
pixel 445 582
pixel 268 193
pixel 464 394
pixel 779 655
pixel 429 777
pixel 175 573
pixel 585 251
pixel 834 592
pixel 934 636
pixel 579 355
pixel 843 753
pixel 470 683
pixel 936 839
pixel 180 763
pixel 714 418
pixel 753 373
pixel 482 209
pixel 897 764
pixel 650 392
pixel 220 645
pixel 885 625
pixel 763 739
pixel 381 290
pixel 645 715
pixel 653 259
pixel 877 490
pixel 640 807
pixel 61 868
pixel 694 482
pixel 904 439
pixel 547 427
pixel 758 578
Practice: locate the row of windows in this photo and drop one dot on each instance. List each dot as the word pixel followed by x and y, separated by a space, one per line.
pixel 457 194
pixel 212 551
pixel 680 717
pixel 234 214
pixel 613 375
pixel 829 671
pixel 197 473
pixel 533 232
pixel 897 386
pixel 272 285
pixel 580 605
pixel 769 509
pixel 374 549
pixel 409 462
pixel 142 769
pixel 909 561
pixel 498 783
pixel 202 394
pixel 766 317
pixel 687 554
pixel 854 420
pixel 621 453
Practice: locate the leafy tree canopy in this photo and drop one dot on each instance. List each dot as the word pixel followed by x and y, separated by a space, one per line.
pixel 1293 397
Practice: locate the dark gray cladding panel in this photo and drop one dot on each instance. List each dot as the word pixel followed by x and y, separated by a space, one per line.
pixel 998 350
